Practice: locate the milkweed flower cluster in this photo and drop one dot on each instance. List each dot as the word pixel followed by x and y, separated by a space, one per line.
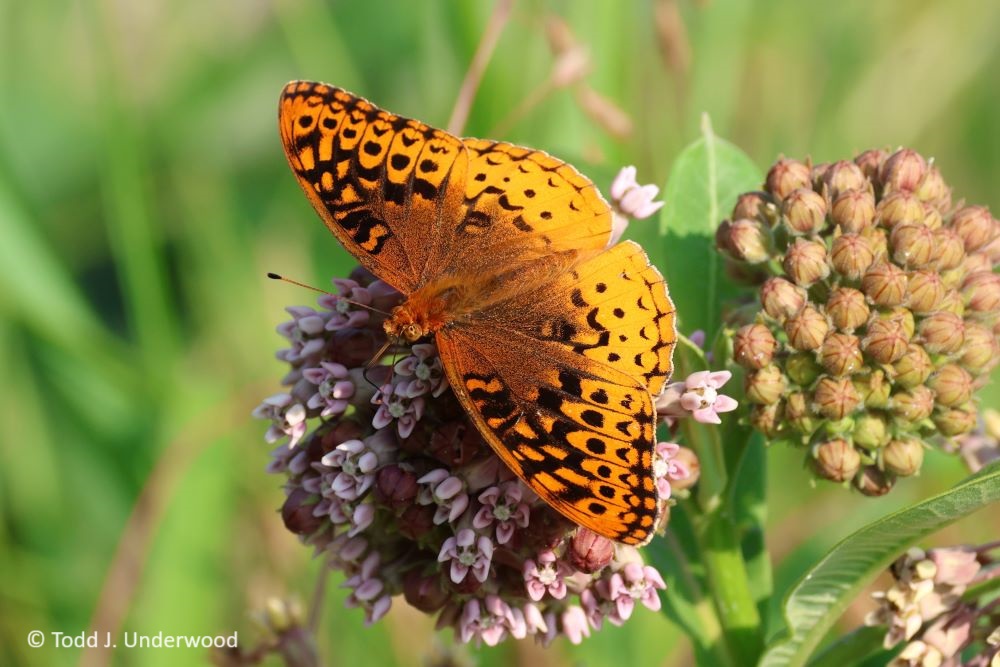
pixel 387 479
pixel 879 311
pixel 927 607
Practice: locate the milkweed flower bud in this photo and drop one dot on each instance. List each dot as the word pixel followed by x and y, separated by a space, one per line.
pixel 786 176
pixel 880 311
pixel 782 299
pixel 805 262
pixel 836 460
pixel 753 346
pixel 853 211
pixel 804 212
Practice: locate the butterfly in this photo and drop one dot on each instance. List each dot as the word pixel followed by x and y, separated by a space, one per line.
pixel 554 343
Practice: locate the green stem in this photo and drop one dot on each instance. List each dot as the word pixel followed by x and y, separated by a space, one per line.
pixel 730 586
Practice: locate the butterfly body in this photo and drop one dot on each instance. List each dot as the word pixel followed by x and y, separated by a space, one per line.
pixel 554 343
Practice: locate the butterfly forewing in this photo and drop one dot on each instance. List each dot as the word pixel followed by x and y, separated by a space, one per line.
pixel 383 184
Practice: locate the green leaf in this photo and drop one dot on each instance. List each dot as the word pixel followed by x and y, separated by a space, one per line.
pixel 818 599
pixel 701 190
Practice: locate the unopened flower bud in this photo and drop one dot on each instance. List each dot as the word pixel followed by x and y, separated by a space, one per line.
pixel 974 225
pixel 853 210
pixel 878 241
pixel 781 299
pixel 913 368
pixel 589 552
pixel 925 291
pixel 912 245
pixel 903 170
pixel 873 482
pixel 903 457
pixel 980 349
pixel 847 308
pixel 841 354
pixel 753 346
pixel 766 385
pixel 805 262
pixel 952 303
pixel 981 292
pixel 952 384
pixel 752 206
pixel 955 566
pixel 913 405
pixel 976 262
pixel 873 388
pixel 417 521
pixel 842 176
pixel 297 512
pixel 851 256
pixel 767 418
pixel 807 329
pixel 804 212
pixel 424 591
pixel 798 414
pixel 744 240
pixel 787 175
pixel 933 190
pixel 885 341
pixel 933 219
pixel 900 208
pixel 949 249
pixel 836 397
pixel 802 368
pixel 395 487
pixel 901 315
pixel 942 332
pixel 870 431
pixel 955 421
pixel 836 460
pixel 871 162
pixel 884 284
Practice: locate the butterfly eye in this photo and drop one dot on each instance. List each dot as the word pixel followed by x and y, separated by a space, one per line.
pixel 413 332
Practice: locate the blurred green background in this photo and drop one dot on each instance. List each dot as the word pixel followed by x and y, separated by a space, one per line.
pixel 144 193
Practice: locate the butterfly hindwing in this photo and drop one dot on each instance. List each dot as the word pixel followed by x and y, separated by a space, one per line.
pixel 576 425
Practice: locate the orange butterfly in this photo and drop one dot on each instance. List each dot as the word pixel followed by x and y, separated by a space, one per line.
pixel 554 343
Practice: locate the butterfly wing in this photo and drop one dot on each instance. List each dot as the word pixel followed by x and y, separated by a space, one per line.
pixel 381 183
pixel 559 384
pixel 415 204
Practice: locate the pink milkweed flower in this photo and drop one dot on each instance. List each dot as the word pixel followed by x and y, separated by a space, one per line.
pixel 574 623
pixel 486 621
pixel 635 582
pixel 424 370
pixel 503 505
pixel 288 418
pixel 368 590
pixel 667 467
pixel 394 405
pixel 467 552
pixel 630 200
pixel 440 488
pixel 545 576
pixel 697 396
pixel 344 314
pixel 304 331
pixel 333 388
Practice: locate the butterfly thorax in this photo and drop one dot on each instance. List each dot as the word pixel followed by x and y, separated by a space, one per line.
pixel 427 310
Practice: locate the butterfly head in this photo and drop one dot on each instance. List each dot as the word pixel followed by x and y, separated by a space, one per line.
pixel 406 325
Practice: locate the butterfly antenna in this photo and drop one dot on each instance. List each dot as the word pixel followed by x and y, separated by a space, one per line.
pixel 373 362
pixel 275 276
